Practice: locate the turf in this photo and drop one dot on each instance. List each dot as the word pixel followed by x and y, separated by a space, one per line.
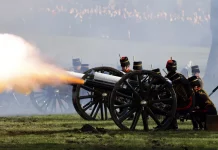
pixel 63 132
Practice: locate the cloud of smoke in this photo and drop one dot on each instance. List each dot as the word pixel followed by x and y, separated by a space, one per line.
pixel 22 69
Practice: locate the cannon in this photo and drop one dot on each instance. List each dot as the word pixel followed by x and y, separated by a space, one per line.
pixel 136 99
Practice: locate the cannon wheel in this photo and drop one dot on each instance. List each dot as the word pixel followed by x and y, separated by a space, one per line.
pixel 88 101
pixel 52 100
pixel 142 99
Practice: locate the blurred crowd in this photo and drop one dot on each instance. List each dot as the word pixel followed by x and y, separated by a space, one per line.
pixel 148 20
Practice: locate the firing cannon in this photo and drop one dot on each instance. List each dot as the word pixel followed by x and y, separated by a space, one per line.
pixel 139 94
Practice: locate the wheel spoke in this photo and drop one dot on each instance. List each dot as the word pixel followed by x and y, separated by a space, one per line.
pixel 153 116
pixel 135 93
pixel 96 113
pixel 105 109
pixel 45 103
pixel 54 105
pixel 102 111
pixel 135 119
pixel 87 88
pixel 145 119
pixel 87 96
pixel 50 100
pixel 127 115
pixel 124 95
pixel 88 105
pixel 61 105
pixel 93 110
pixel 90 89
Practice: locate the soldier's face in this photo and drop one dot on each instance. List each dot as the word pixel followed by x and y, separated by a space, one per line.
pixel 197 74
pixel 195 87
pixel 77 67
pixel 126 68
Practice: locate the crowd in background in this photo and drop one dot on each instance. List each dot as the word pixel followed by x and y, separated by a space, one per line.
pixel 168 21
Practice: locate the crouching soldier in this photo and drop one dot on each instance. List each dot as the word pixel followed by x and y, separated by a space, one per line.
pixel 203 105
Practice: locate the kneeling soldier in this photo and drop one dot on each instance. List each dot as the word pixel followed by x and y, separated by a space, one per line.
pixel 203 105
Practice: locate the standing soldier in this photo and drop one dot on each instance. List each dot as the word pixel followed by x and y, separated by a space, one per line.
pixel 196 72
pixel 76 65
pixel 125 64
pixel 182 88
pixel 203 105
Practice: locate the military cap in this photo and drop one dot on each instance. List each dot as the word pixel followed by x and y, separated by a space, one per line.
pixel 76 62
pixel 194 81
pixel 157 71
pixel 137 65
pixel 124 61
pixel 171 65
pixel 195 69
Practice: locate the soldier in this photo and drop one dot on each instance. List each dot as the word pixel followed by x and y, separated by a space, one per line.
pixel 196 72
pixel 125 64
pixel 84 67
pixel 203 105
pixel 182 88
pixel 76 65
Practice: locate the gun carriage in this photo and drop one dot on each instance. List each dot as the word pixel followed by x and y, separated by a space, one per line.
pixel 131 100
pixel 139 97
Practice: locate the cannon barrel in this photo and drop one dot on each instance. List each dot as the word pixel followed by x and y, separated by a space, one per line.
pixel 99 84
pixel 98 76
pixel 100 80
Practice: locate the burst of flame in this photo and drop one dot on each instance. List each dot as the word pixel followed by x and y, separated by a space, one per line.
pixel 23 70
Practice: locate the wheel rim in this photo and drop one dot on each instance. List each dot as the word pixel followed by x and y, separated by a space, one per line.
pixel 52 99
pixel 143 100
pixel 92 103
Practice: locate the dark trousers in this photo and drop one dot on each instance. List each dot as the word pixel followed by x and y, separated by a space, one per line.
pixel 199 118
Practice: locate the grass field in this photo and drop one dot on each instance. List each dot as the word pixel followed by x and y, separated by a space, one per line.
pixel 63 132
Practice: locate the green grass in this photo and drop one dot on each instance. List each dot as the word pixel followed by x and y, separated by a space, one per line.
pixel 63 132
